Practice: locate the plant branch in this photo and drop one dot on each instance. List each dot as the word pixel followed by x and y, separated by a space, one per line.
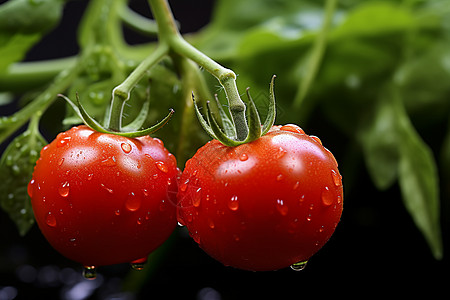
pixel 168 33
pixel 316 55
pixel 121 93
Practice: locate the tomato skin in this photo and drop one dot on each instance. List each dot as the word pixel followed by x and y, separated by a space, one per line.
pixel 102 199
pixel 264 205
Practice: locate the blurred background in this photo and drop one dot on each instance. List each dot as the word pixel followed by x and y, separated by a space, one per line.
pixel 377 247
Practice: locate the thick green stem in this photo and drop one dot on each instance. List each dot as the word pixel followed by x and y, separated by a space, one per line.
pixel 24 76
pixel 121 93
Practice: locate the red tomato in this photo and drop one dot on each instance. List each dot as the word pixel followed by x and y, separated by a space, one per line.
pixel 103 199
pixel 264 205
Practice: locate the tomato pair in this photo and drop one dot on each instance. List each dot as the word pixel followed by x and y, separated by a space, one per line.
pixel 103 199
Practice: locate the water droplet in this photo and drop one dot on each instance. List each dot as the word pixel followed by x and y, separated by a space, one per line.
pixel 163 205
pixel 109 162
pixel 50 220
pixel 327 197
pixel 281 207
pixel 336 178
pixel 126 147
pixel 281 152
pixel 30 188
pixel 61 161
pixel 211 224
pixel 296 185
pixel 162 166
pixel 184 185
pixel 292 128
pixel 64 189
pixel 243 157
pixel 302 198
pixel 133 202
pixel 233 203
pixel 139 264
pixel 197 198
pixel 63 142
pixel 117 212
pixel 90 176
pixel 280 177
pixel 89 272
pixel 299 266
pixel 109 190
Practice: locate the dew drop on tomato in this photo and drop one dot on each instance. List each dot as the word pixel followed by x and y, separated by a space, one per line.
pixel 89 272
pixel 30 188
pixel 126 147
pixel 336 178
pixel 243 157
pixel 64 189
pixel 162 166
pixel 282 207
pixel 327 196
pixel 50 220
pixel 233 203
pixel 292 128
pixel 133 202
pixel 63 142
pixel 197 198
pixel 109 162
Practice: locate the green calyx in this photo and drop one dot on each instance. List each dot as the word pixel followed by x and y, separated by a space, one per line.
pixel 132 130
pixel 227 135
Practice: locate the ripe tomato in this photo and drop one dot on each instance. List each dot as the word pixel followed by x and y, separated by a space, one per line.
pixel 103 199
pixel 264 205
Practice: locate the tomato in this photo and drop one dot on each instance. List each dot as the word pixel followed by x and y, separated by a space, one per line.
pixel 264 205
pixel 102 199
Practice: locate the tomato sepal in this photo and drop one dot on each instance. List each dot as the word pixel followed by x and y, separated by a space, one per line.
pixel 94 125
pixel 227 134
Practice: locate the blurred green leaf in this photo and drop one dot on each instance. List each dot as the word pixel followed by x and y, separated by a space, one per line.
pixel 418 179
pixel 393 149
pixel 16 168
pixel 379 138
pixel 22 24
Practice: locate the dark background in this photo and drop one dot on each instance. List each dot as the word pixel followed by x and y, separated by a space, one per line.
pixel 375 251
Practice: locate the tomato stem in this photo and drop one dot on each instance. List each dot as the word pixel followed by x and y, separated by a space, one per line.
pixel 169 33
pixel 121 93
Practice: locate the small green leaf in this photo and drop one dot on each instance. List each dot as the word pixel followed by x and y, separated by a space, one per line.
pixel 16 168
pixel 271 114
pixel 228 127
pixel 254 122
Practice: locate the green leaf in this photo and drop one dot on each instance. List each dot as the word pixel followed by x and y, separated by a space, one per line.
pixel 379 138
pixel 418 179
pixel 16 168
pixel 22 24
pixel 394 150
